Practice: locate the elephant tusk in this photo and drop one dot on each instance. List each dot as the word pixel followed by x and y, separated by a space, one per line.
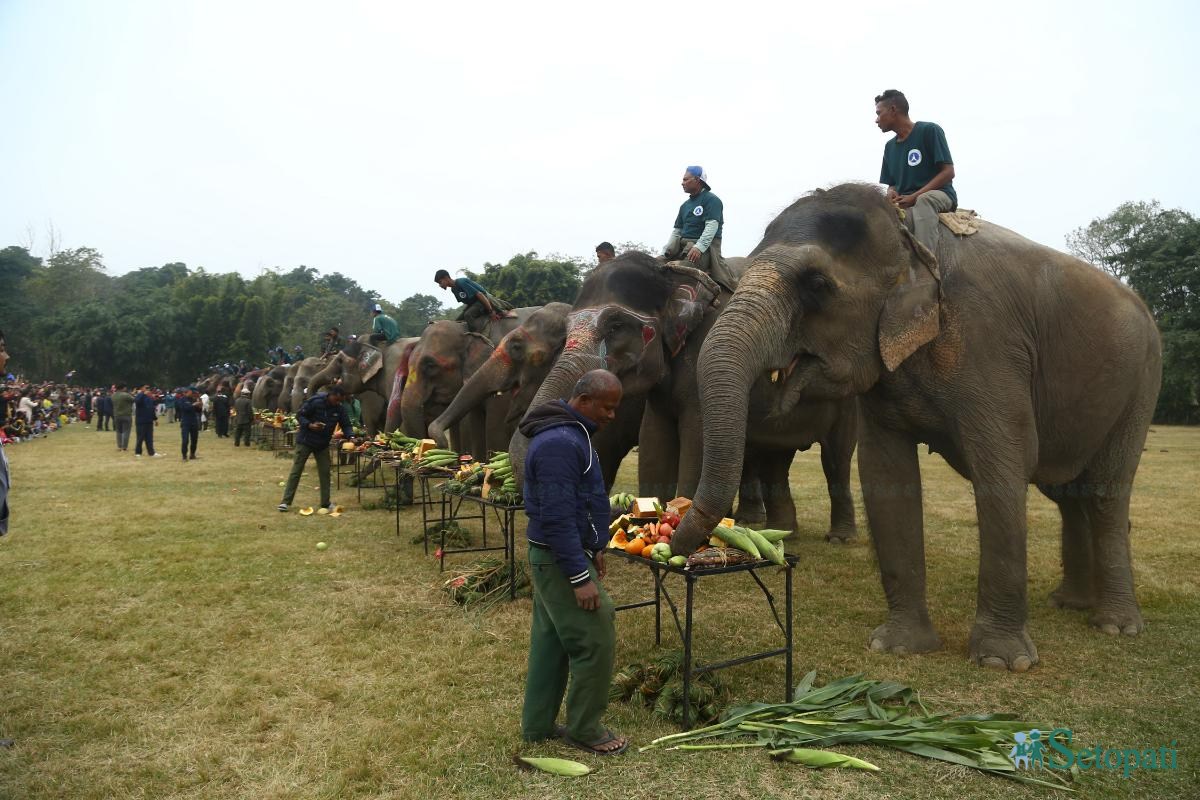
pixel 774 376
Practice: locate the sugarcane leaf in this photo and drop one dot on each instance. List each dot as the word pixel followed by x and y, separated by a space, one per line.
pixel 805 685
pixel 820 759
pixel 939 753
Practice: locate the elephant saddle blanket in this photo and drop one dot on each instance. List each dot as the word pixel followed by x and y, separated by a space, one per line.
pixel 963 222
pixel 369 362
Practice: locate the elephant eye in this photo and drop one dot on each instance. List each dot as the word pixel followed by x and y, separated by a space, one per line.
pixel 815 289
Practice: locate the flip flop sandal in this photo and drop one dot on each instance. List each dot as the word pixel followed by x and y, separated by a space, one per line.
pixel 593 747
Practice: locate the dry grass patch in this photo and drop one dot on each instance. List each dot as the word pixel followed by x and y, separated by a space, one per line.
pixel 165 633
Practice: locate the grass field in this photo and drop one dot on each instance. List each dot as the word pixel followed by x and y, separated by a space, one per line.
pixel 166 633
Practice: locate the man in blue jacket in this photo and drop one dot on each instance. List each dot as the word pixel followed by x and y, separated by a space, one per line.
pixel 189 410
pixel 145 418
pixel 316 419
pixel 573 634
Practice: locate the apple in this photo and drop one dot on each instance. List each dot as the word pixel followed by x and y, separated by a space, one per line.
pixel 665 530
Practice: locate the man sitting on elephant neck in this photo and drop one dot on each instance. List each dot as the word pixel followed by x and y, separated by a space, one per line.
pixel 699 224
pixel 383 327
pixel 917 167
pixel 479 306
pixel 333 343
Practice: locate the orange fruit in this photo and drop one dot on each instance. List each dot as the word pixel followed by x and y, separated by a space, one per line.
pixel 634 547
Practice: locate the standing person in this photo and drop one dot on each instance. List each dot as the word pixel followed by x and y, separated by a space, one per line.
pixel 205 410
pixel 220 411
pixel 26 406
pixel 144 420
pixel 189 410
pixel 4 481
pixel 383 328
pixel 605 252
pixel 479 305
pixel 122 402
pixel 699 225
pixel 244 415
pixel 917 167
pixel 105 418
pixel 316 419
pixel 573 632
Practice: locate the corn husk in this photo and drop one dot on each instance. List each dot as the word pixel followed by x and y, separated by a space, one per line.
pixel 554 766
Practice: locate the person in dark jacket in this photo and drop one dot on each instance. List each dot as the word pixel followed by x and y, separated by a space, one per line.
pixel 145 417
pixel 316 419
pixel 188 410
pixel 4 482
pixel 573 632
pixel 104 413
pixel 244 418
pixel 220 411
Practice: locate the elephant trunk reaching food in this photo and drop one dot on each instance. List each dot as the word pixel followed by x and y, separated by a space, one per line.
pixel 735 352
pixel 494 376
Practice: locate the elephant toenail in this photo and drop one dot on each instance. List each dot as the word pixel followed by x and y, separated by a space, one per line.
pixel 877 646
pixel 1110 629
pixel 1130 630
pixel 1021 664
pixel 992 662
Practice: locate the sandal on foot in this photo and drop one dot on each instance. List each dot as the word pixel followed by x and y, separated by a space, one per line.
pixel 596 748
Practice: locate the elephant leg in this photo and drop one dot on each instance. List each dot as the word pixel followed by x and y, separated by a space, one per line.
pixel 891 484
pixel 999 474
pixel 658 454
pixel 837 450
pixel 751 508
pixel 777 490
pixel 1076 589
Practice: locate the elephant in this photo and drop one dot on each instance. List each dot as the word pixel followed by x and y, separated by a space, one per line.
pixel 373 387
pixel 440 363
pixel 267 388
pixel 1015 362
pixel 516 367
pixel 302 378
pixel 646 322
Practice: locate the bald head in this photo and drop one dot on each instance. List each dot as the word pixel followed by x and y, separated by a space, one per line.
pixel 596 396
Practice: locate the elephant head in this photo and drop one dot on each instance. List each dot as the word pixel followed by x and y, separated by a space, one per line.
pixel 518 365
pixel 631 316
pixel 267 388
pixel 302 380
pixel 436 369
pixel 837 293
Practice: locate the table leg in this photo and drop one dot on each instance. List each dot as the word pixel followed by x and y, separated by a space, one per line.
pixel 510 542
pixel 687 653
pixel 657 608
pixel 787 670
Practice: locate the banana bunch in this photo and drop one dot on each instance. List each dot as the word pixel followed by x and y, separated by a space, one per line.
pixel 438 459
pixel 621 500
pixel 502 473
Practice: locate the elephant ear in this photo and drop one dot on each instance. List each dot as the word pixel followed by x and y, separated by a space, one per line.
pixel 478 350
pixel 911 315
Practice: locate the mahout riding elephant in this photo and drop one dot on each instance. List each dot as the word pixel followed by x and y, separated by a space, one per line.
pixel 446 356
pixel 265 394
pixel 372 382
pixel 645 322
pixel 1017 363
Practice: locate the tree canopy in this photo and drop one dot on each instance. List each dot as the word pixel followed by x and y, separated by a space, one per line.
pixel 529 280
pixel 1156 251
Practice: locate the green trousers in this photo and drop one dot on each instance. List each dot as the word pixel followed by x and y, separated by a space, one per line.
pixel 322 458
pixel 566 641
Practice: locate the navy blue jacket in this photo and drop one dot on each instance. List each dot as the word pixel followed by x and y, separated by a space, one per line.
pixel 564 488
pixel 187 411
pixel 144 408
pixel 318 409
pixel 106 406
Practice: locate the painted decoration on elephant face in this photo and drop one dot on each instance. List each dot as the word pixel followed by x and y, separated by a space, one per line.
pixel 583 327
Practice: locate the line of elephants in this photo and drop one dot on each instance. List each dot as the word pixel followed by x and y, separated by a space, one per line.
pixel 1017 363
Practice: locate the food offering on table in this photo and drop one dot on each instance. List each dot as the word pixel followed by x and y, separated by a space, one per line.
pixel 647 529
pixel 621 502
pixel 282 421
pixel 491 481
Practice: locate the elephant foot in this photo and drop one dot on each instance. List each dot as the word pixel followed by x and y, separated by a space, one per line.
pixel 903 637
pixel 1009 650
pixel 1068 597
pixel 841 534
pixel 750 517
pixel 1116 621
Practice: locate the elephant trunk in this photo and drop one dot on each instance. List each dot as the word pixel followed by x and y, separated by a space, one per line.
pixel 492 377
pixel 735 353
pixel 412 410
pixel 567 371
pixel 331 372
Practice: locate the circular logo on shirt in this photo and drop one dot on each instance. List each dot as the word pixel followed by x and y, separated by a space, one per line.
pixel 914 157
pixel 698 211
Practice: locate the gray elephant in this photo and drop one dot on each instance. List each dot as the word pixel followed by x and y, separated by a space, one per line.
pixel 646 322
pixel 1017 363
pixel 265 395
pixel 446 356
pixel 302 377
pixel 373 381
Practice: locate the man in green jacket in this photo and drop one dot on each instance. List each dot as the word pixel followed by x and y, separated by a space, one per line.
pixel 699 224
pixel 122 402
pixel 383 328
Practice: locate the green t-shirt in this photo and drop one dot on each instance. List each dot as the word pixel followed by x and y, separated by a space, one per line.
pixel 122 404
pixel 911 164
pixel 698 210
pixel 387 326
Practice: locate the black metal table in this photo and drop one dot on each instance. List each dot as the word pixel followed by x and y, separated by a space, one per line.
pixel 372 462
pixel 504 515
pixel 691 578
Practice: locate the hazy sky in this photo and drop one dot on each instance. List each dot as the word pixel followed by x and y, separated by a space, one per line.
pixel 386 140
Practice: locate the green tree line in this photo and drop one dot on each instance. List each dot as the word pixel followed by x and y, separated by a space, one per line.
pixel 166 325
pixel 1156 251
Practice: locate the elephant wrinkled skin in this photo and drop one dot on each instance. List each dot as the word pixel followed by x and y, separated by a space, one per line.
pixel 1017 363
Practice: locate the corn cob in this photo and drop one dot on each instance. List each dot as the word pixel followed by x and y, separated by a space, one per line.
pixel 769 551
pixel 737 538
